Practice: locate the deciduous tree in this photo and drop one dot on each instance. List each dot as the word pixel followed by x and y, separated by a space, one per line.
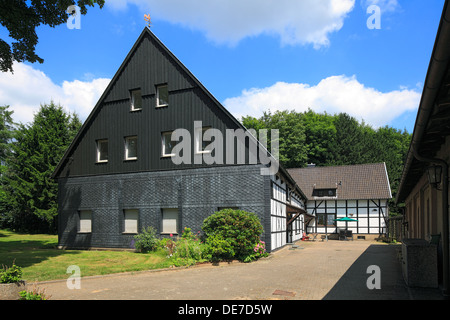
pixel 21 18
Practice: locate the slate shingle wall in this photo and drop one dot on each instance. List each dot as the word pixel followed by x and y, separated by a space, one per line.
pixel 197 193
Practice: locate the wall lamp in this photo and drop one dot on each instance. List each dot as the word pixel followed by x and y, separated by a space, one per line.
pixel 434 175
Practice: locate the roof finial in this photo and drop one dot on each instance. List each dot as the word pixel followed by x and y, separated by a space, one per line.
pixel 148 19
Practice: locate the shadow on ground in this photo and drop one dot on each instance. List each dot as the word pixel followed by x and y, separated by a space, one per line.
pixel 28 251
pixel 353 284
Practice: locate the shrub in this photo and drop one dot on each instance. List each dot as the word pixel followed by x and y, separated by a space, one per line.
pixel 11 275
pixel 259 251
pixel 217 248
pixel 169 245
pixel 189 252
pixel 239 228
pixel 187 234
pixel 147 240
pixel 189 249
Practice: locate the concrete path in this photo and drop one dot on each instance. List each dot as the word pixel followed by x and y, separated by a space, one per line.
pixel 314 271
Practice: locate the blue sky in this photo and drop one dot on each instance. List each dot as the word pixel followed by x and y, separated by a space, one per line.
pixel 253 56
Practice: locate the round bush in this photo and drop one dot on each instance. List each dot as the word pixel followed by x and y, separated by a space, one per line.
pixel 218 249
pixel 239 228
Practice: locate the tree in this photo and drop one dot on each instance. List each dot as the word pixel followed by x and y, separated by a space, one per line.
pixel 348 147
pixel 6 134
pixel 36 150
pixel 394 146
pixel 22 17
pixel 336 140
pixel 320 134
pixel 292 147
pixel 6 131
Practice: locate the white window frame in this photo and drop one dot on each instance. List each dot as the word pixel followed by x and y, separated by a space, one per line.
pixel 166 135
pixel 130 221
pixel 85 221
pixel 170 217
pixel 127 144
pixel 98 142
pixel 158 88
pixel 132 98
pixel 199 132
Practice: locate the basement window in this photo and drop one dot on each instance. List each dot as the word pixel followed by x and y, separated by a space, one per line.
pixel 170 219
pixel 85 222
pixel 162 96
pixel 131 219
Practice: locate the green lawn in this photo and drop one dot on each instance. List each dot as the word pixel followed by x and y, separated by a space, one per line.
pixel 41 261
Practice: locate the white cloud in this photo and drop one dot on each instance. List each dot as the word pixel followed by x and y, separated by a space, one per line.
pixel 28 88
pixel 334 94
pixel 385 5
pixel 229 21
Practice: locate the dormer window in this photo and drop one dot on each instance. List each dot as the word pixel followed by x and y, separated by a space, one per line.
pixel 162 96
pixel 324 193
pixel 136 100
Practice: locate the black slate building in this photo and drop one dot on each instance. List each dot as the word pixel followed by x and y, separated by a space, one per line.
pixel 119 173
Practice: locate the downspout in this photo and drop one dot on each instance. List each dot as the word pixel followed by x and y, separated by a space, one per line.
pixel 445 220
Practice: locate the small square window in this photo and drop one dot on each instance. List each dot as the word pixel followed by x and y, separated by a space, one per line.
pixel 102 150
pixel 131 219
pixel 167 144
pixel 200 144
pixel 131 148
pixel 136 100
pixel 326 219
pixel 162 96
pixel 85 224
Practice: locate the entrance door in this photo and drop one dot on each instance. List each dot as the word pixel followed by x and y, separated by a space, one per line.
pixel 289 227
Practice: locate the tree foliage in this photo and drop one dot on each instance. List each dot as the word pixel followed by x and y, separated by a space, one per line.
pixel 330 140
pixel 292 146
pixel 21 18
pixel 7 128
pixel 35 152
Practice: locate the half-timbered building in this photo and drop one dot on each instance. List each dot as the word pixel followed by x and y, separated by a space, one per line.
pixel 358 192
pixel 119 175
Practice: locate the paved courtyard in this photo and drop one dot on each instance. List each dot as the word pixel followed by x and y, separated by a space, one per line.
pixel 314 271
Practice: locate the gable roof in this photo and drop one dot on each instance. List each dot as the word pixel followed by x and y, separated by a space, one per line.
pixel 104 97
pixel 363 181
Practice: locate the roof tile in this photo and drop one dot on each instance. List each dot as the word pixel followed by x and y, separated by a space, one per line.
pixel 363 181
